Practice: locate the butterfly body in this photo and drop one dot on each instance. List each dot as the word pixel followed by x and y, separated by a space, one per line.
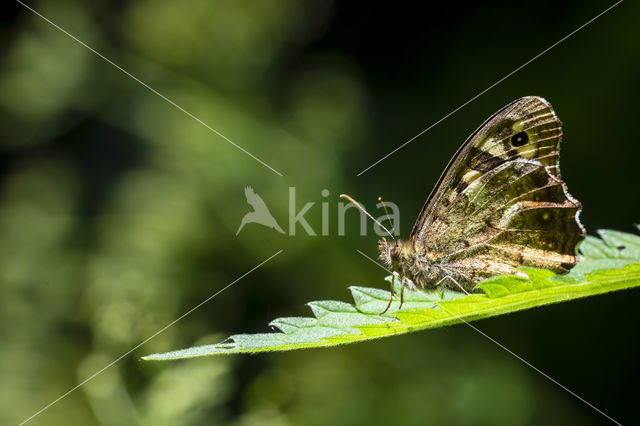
pixel 417 265
pixel 499 205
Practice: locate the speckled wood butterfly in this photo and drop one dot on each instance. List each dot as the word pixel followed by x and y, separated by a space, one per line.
pixel 500 204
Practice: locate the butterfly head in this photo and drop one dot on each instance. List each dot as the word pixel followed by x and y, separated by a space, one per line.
pixel 394 253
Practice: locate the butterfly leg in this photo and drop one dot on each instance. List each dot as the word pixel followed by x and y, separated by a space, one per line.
pixel 402 286
pixel 458 284
pixel 395 276
pixel 454 281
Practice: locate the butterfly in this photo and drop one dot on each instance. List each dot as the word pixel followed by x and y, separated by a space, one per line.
pixel 500 204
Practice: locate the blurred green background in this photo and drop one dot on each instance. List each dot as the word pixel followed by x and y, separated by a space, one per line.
pixel 118 212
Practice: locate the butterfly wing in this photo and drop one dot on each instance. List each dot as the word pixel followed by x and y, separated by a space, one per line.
pixel 501 203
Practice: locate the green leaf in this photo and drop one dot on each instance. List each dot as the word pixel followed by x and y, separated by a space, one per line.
pixel 607 264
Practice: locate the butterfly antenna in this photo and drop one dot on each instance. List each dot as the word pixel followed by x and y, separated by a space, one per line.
pixel 386 211
pixel 346 197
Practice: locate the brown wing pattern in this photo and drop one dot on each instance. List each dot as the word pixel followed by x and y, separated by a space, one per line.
pixel 501 203
pixel 488 147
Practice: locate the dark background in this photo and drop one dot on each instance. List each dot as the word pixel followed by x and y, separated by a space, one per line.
pixel 118 212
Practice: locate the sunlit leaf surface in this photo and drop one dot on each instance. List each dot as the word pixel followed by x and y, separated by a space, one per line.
pixel 608 264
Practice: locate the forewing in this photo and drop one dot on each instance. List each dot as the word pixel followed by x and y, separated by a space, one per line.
pixel 489 146
pixel 499 204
